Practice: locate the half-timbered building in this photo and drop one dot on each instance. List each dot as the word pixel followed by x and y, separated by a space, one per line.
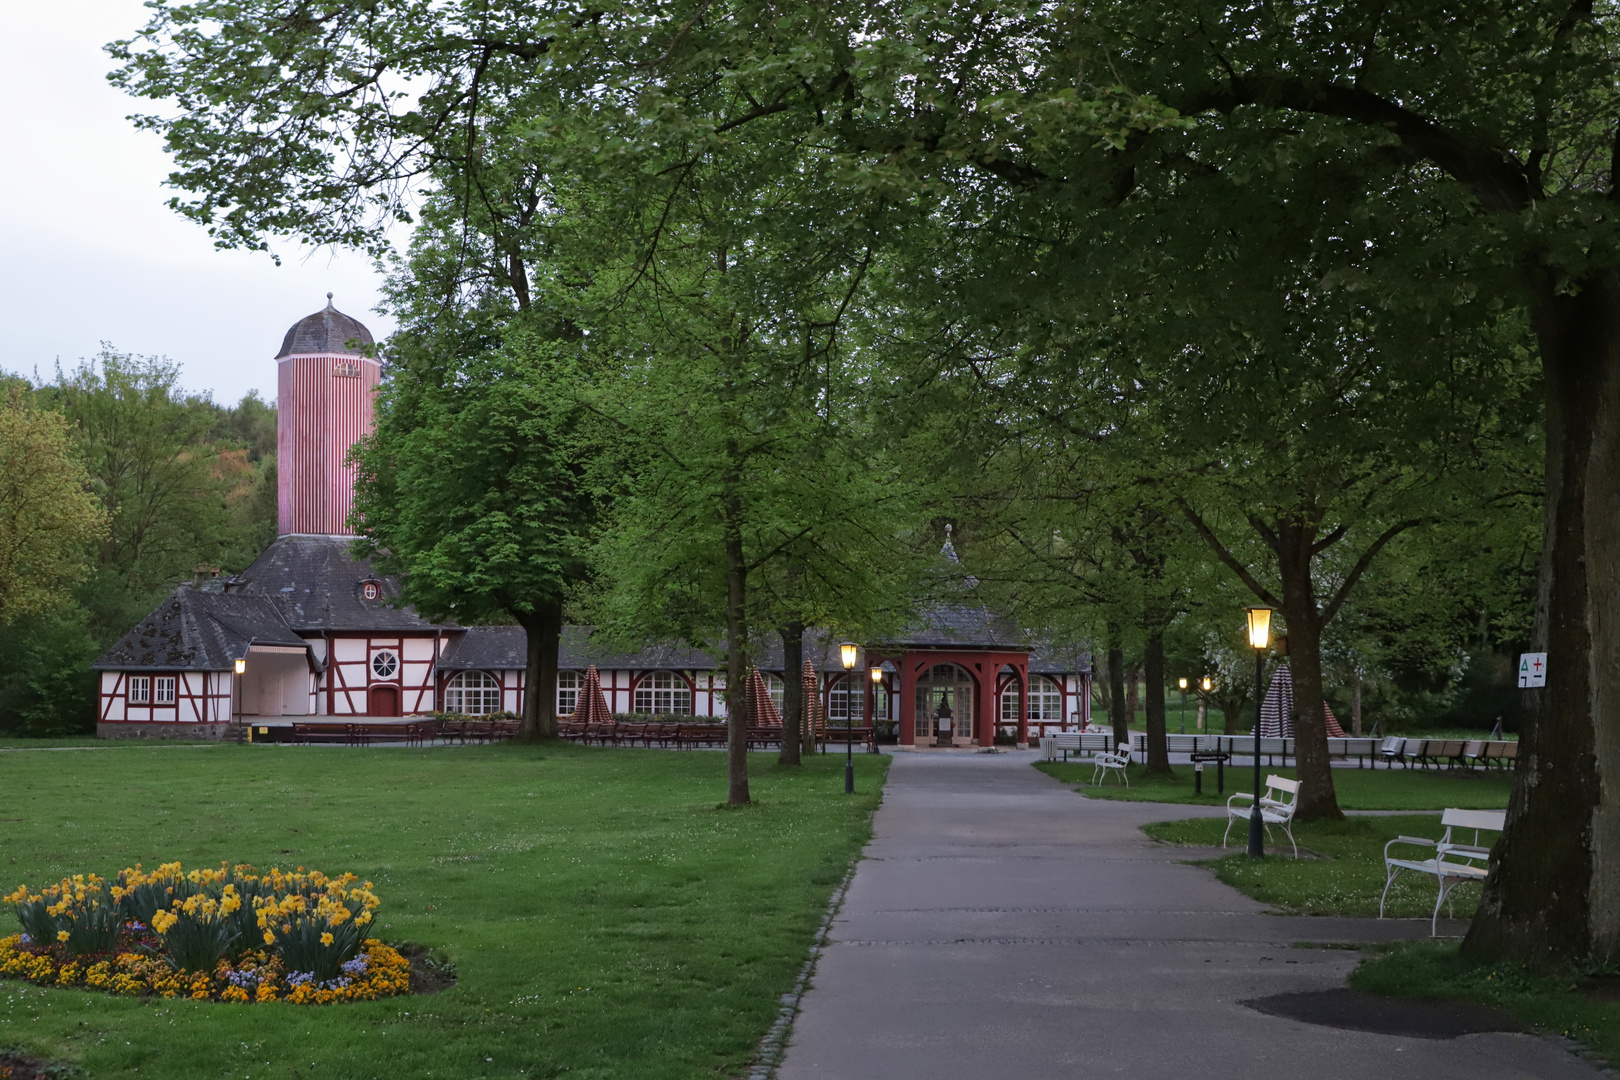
pixel 310 630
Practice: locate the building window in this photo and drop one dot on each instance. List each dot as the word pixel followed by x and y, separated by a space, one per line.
pixel 1045 701
pixel 473 693
pixel 384 664
pixel 370 590
pixel 840 701
pixel 664 693
pixel 163 690
pixel 140 690
pixel 774 685
pixel 568 684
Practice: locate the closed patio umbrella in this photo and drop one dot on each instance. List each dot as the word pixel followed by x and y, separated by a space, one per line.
pixel 762 711
pixel 592 707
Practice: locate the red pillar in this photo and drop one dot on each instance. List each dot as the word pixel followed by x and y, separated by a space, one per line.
pixel 908 701
pixel 987 702
pixel 1023 707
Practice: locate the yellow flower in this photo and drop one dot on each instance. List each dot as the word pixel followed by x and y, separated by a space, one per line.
pixel 61 935
pixel 326 939
pixel 269 938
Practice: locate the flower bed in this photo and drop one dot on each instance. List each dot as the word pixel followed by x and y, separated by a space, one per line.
pixel 210 935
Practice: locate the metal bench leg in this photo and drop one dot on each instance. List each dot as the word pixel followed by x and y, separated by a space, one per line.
pixel 1228 832
pixel 1392 871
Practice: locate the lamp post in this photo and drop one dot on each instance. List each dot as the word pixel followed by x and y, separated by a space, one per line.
pixel 1259 639
pixel 877 684
pixel 241 666
pixel 1203 705
pixel 848 653
pixel 1183 684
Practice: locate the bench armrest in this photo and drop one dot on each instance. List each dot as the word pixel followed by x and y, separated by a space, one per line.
pixel 1418 840
pixel 1239 795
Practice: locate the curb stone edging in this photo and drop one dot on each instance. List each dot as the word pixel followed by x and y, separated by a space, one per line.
pixel 773 1047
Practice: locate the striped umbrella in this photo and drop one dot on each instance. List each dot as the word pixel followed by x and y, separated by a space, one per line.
pixel 762 711
pixel 815 718
pixel 592 707
pixel 1277 711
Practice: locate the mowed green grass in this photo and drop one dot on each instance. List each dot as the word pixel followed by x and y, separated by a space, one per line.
pixel 1340 871
pixel 606 918
pixel 1356 789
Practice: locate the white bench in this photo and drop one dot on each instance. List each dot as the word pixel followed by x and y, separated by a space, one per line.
pixel 1453 863
pixel 1108 761
pixel 1276 808
pixel 1067 742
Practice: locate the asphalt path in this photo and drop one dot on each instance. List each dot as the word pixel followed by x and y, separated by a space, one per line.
pixel 1001 925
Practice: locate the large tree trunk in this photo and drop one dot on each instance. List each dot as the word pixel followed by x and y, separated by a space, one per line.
pixel 1295 549
pixel 1158 750
pixel 792 693
pixel 1554 891
pixel 736 643
pixel 543 628
pixel 1116 687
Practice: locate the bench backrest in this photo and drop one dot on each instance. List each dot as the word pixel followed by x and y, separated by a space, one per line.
pixel 1492 820
pixel 1279 786
pixel 1394 744
pixel 1447 749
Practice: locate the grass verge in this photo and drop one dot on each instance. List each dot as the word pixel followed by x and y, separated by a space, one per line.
pixel 1343 875
pixel 1357 789
pixel 605 918
pixel 1574 1004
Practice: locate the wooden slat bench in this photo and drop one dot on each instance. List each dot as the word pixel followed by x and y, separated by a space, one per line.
pixel 841 736
pixel 320 733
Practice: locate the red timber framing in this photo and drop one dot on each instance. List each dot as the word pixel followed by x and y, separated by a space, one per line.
pixel 510 681
pixel 354 665
pixel 984 665
pixel 199 697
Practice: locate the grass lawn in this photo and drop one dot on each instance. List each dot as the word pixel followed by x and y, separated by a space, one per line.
pixel 606 919
pixel 1358 789
pixel 1346 877
pixel 1567 1004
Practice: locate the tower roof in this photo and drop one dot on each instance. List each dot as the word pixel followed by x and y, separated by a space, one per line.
pixel 326 332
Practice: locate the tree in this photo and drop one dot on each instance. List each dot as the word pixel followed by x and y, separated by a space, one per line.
pixel 471 487
pixel 49 520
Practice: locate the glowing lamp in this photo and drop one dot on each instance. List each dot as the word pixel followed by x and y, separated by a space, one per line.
pixel 241 666
pixel 1182 683
pixel 849 653
pixel 1259 627
pixel 877 675
pixel 1208 685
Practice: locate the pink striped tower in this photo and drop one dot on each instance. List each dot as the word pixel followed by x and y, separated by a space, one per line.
pixel 324 389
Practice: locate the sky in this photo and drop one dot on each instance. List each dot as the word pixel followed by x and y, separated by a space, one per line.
pixel 89 253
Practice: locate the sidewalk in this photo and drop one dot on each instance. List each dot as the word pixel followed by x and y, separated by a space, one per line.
pixel 1003 926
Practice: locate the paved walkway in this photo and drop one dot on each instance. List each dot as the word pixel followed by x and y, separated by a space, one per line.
pixel 1001 926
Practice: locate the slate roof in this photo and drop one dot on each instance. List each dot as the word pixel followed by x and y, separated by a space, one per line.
pixel 317 583
pixel 325 332
pixel 198 631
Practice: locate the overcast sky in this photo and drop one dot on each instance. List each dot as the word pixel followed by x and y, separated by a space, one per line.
pixel 90 251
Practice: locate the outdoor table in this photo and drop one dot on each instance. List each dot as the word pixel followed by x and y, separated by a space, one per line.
pixel 1219 757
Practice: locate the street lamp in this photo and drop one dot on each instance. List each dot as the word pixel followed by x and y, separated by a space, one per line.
pixel 848 653
pixel 1203 705
pixel 1183 684
pixel 241 666
pixel 1259 639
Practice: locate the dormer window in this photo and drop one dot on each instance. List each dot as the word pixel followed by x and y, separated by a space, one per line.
pixel 371 590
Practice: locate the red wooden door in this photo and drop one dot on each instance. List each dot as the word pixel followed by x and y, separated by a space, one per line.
pixel 383 701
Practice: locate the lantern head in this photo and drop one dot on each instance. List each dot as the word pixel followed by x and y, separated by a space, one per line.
pixel 1259 627
pixel 849 653
pixel 241 665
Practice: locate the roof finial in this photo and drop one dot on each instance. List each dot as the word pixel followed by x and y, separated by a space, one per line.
pixel 328 299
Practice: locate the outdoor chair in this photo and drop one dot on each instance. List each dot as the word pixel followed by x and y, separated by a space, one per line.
pixel 1107 761
pixel 1453 863
pixel 1276 808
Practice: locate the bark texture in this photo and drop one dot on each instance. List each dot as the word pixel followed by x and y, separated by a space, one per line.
pixel 736 643
pixel 543 628
pixel 1116 688
pixel 792 694
pixel 1295 548
pixel 1158 750
pixel 1554 891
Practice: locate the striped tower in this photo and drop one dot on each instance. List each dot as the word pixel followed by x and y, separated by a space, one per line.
pixel 324 388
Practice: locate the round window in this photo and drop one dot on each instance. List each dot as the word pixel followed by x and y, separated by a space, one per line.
pixel 371 590
pixel 384 663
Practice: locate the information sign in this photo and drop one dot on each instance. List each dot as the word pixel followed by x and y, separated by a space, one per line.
pixel 1532 670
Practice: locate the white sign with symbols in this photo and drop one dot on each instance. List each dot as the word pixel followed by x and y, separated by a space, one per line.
pixel 1532 670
